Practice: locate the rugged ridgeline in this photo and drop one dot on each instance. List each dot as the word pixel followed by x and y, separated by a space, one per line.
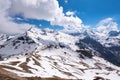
pixel 107 44
pixel 52 54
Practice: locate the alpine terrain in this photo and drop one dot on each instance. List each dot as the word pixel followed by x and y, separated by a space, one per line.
pixel 43 54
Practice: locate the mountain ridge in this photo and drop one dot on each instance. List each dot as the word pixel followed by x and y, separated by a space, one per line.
pixel 49 54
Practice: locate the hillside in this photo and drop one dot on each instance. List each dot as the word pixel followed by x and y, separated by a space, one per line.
pixel 46 55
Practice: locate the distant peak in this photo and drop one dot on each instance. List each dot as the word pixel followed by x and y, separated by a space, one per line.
pixel 30 29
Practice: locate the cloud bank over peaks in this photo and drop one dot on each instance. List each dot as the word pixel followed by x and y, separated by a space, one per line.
pixel 6 23
pixel 107 25
pixel 48 10
pixel 36 9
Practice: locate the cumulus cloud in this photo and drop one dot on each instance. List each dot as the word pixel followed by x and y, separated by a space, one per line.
pixel 107 25
pixel 68 22
pixel 10 27
pixel 45 10
pixel 70 13
pixel 36 9
pixel 6 23
pixel 48 10
pixel 66 1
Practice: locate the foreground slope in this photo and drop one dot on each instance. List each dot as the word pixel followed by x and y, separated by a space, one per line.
pixel 52 54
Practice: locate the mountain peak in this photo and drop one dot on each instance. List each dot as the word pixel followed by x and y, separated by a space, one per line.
pixel 48 53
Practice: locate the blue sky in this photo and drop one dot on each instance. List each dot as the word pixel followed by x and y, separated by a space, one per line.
pixel 92 11
pixel 89 11
pixel 20 15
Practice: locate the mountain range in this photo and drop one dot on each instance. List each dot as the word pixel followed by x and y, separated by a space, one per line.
pixel 48 54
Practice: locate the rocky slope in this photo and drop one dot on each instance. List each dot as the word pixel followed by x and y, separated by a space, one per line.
pixel 107 44
pixel 53 54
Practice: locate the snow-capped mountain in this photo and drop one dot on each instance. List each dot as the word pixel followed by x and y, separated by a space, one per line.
pixel 107 43
pixel 3 38
pixel 54 54
pixel 36 38
pixel 109 39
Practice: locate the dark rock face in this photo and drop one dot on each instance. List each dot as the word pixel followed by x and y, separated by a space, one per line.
pixel 104 52
pixel 99 78
pixel 115 49
pixel 25 39
pixel 85 53
pixel 1 58
pixel 114 33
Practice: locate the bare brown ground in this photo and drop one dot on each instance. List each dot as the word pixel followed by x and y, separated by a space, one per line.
pixel 6 75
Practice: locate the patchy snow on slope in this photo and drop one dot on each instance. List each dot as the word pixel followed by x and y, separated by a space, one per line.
pixel 107 39
pixel 47 53
pixel 65 64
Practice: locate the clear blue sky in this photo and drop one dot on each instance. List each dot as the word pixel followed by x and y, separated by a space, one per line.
pixel 90 11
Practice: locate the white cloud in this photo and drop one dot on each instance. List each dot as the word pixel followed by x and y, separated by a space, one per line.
pixel 48 10
pixel 66 1
pixel 105 21
pixel 40 25
pixel 6 23
pixel 107 25
pixel 68 22
pixel 70 13
pixel 10 27
pixel 36 9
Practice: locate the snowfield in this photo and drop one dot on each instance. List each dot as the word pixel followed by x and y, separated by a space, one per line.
pixel 47 54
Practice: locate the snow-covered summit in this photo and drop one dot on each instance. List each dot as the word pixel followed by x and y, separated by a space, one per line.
pixel 37 38
pixel 108 38
pixel 50 54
